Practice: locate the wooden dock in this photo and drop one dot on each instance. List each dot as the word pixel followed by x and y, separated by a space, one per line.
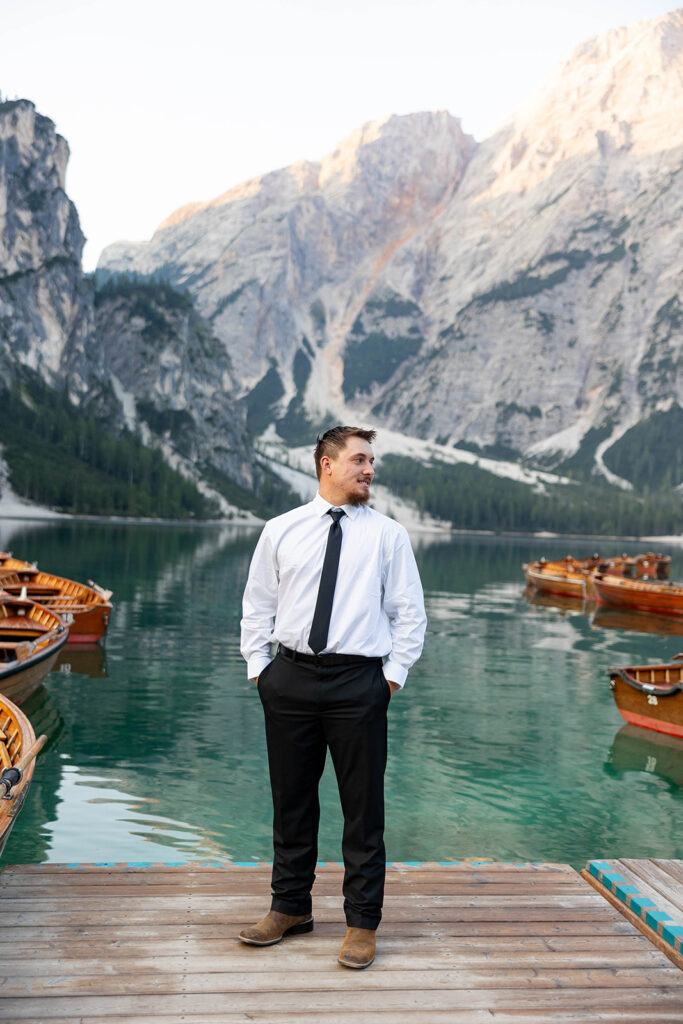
pixel 649 893
pixel 460 943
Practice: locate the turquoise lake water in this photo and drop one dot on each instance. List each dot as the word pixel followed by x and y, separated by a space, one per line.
pixel 506 743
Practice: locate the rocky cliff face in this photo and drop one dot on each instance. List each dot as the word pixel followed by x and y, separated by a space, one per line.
pixel 518 294
pixel 46 310
pixel 147 361
pixel 172 377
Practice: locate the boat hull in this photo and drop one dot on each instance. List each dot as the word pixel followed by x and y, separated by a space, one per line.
pixel 639 595
pixel 650 696
pixel 564 584
pixel 20 738
pixel 20 685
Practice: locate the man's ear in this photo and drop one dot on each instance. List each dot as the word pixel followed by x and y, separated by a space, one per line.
pixel 325 464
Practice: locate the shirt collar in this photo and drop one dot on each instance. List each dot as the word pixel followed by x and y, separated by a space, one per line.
pixel 321 506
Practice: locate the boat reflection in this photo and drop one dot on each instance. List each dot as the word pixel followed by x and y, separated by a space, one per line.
pixel 85 660
pixel 564 602
pixel 44 716
pixel 642 750
pixel 606 617
pixel 615 618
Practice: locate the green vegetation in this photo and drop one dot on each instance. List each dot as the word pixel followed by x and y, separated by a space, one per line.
pixel 145 292
pixel 262 398
pixel 393 306
pixel 527 283
pixel 271 495
pixel 581 464
pixel 62 456
pixel 472 499
pixel 373 358
pixel 650 454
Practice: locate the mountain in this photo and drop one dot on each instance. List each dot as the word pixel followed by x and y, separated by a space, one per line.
pixel 46 308
pixel 517 297
pixel 80 378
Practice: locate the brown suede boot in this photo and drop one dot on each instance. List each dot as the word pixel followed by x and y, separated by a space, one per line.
pixel 358 948
pixel 274 926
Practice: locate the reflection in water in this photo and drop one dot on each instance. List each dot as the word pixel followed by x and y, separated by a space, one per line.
pixel 606 617
pixel 614 618
pixel 84 659
pixel 131 827
pixel 497 744
pixel 40 807
pixel 562 601
pixel 643 750
pixel 43 713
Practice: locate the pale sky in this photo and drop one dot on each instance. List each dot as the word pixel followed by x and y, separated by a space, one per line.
pixel 165 103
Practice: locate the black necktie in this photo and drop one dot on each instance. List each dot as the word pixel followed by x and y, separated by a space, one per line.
pixel 323 606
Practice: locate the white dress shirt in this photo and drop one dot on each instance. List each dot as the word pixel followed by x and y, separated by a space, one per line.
pixel 378 609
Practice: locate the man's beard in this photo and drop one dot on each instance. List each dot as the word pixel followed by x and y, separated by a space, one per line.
pixel 358 499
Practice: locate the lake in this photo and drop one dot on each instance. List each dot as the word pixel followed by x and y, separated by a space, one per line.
pixel 505 744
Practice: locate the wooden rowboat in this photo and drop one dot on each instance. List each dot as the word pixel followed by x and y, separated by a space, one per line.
pixel 557 578
pixel 639 595
pixel 573 577
pixel 650 695
pixel 88 606
pixel 31 638
pixel 18 749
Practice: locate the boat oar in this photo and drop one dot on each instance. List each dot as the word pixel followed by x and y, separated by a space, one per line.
pixel 11 776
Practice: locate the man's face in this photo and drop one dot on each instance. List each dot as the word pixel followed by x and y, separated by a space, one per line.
pixel 347 478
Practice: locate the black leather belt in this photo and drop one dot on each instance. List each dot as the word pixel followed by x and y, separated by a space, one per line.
pixel 323 659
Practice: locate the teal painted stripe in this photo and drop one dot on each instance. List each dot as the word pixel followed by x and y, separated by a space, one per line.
pixel 656 917
pixel 672 932
pixel 624 891
pixel 448 863
pixel 596 868
pixel 640 904
pixel 612 876
pixel 139 863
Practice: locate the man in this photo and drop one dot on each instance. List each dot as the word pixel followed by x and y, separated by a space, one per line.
pixel 335 584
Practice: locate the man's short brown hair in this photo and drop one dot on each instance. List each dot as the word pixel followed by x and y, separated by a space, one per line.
pixel 334 440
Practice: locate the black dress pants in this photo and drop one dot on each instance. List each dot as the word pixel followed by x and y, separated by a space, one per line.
pixel 310 706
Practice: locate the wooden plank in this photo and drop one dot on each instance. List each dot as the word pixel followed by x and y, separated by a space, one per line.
pixel 395 958
pixel 309 983
pixel 658 879
pixel 420 916
pixel 510 940
pixel 539 867
pixel 125 891
pixel 452 1016
pixel 350 1001
pixel 674 867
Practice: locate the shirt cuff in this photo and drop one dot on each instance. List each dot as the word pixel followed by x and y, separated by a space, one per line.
pixel 395 673
pixel 256 665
